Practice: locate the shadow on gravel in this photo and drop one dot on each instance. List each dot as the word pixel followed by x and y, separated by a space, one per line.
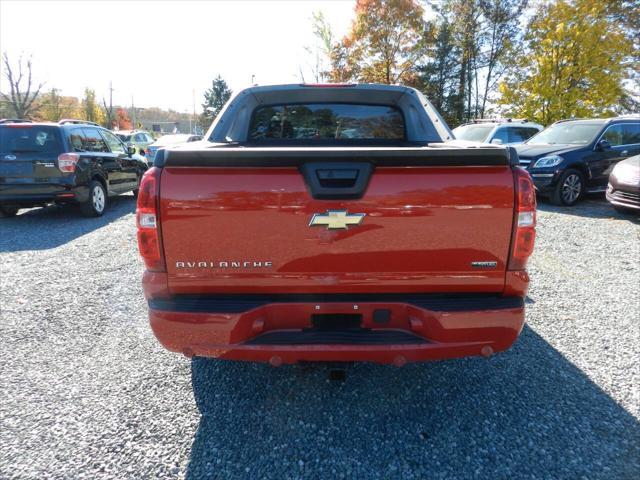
pixel 595 206
pixel 50 227
pixel 527 413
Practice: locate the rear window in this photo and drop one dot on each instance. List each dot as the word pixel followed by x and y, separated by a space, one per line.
pixel 311 122
pixel 30 139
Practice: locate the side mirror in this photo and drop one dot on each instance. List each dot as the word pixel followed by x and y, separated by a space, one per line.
pixel 603 145
pixel 131 150
pixel 496 141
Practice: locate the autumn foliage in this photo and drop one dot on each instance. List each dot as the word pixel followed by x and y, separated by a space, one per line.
pixel 479 58
pixel 122 120
pixel 573 65
pixel 386 40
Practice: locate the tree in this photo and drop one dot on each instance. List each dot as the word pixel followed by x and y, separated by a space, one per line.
pixel 475 40
pixel 54 107
pixel 91 111
pixel 215 98
pixel 322 50
pixel 122 120
pixel 499 39
pixel 386 40
pixel 574 64
pixel 22 91
pixel 438 77
pixel 51 107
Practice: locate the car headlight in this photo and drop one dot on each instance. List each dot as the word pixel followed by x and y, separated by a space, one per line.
pixel 550 161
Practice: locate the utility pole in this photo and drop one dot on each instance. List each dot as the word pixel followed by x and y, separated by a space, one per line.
pixel 109 111
pixel 133 114
pixel 195 120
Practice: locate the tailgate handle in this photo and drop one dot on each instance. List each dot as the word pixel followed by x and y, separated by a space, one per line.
pixel 337 177
pixel 337 180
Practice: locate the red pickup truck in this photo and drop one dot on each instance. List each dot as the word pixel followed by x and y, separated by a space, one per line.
pixel 335 223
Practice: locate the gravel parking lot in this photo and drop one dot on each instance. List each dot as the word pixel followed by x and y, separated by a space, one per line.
pixel 87 392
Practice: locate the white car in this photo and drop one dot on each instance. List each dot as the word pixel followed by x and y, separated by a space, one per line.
pixel 167 140
pixel 502 131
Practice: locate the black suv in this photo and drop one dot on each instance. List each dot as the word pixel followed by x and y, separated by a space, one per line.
pixel 67 162
pixel 573 157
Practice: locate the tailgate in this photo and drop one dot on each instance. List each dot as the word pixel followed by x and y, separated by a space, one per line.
pixel 441 228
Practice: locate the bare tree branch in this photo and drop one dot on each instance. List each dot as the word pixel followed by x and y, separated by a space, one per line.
pixel 21 97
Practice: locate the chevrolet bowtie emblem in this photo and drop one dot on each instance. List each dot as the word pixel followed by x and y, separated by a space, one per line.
pixel 335 219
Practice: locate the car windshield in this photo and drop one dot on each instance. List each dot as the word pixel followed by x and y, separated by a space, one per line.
pixel 29 139
pixel 123 137
pixel 171 139
pixel 567 133
pixel 326 121
pixel 473 133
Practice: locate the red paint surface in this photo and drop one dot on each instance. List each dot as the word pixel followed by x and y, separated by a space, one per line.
pixel 451 334
pixel 424 227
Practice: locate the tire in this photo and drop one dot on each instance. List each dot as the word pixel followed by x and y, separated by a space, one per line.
pixel 9 210
pixel 97 203
pixel 570 188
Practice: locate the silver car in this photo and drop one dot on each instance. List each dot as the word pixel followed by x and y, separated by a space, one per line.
pixel 168 140
pixel 502 131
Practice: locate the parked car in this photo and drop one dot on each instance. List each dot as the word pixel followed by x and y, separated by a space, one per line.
pixel 574 157
pixel 140 139
pixel 278 246
pixel 623 191
pixel 67 162
pixel 506 131
pixel 167 140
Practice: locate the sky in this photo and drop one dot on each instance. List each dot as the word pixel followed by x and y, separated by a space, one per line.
pixel 160 52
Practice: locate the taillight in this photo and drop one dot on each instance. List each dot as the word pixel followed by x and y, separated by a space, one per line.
pixel 67 162
pixel 149 241
pixel 524 234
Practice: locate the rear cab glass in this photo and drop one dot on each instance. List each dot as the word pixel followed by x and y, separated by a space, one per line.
pixel 326 122
pixel 30 140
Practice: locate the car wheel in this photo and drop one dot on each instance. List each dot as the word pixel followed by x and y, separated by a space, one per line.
pixel 97 202
pixel 9 210
pixel 570 188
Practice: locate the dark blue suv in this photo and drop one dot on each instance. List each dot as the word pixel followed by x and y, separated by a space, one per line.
pixel 67 162
pixel 574 157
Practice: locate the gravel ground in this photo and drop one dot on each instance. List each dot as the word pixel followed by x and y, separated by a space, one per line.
pixel 87 392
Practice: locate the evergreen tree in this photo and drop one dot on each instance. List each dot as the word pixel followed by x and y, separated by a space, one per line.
pixel 215 98
pixel 437 77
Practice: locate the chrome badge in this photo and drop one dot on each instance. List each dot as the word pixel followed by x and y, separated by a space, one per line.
pixel 484 264
pixel 336 219
pixel 10 157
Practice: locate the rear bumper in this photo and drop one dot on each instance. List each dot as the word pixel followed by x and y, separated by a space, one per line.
pixel 27 194
pixel 417 327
